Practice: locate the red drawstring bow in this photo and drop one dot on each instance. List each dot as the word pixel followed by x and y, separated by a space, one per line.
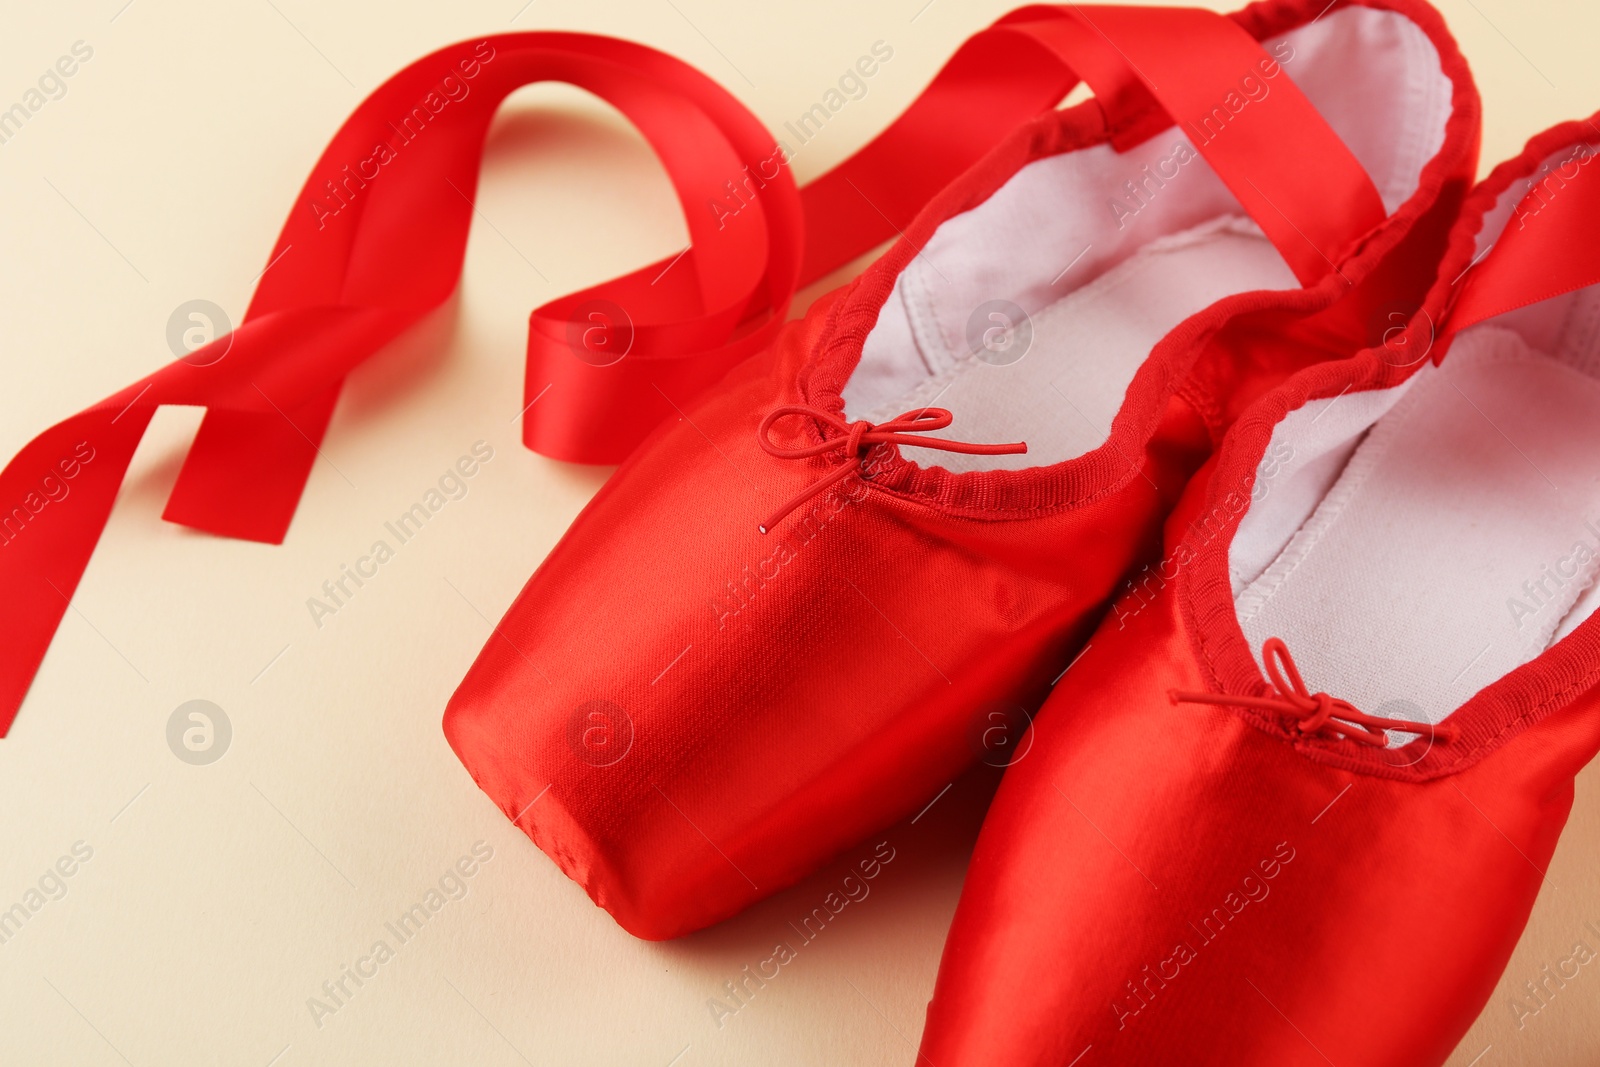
pixel 857 443
pixel 1316 712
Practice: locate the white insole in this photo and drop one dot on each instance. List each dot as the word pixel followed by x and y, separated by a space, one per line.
pixel 1454 544
pixel 1061 396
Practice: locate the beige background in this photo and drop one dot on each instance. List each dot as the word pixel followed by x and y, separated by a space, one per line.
pixel 219 898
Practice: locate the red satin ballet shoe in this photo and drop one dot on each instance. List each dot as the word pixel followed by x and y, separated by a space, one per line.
pixel 1295 802
pixel 792 617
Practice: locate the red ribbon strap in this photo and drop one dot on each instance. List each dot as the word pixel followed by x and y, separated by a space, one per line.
pixel 1548 247
pixel 377 237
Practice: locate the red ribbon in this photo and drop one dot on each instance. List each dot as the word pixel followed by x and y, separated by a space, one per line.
pixel 376 239
pixel 1548 245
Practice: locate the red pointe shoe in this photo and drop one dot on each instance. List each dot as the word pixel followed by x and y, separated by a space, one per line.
pixel 791 617
pixel 1293 805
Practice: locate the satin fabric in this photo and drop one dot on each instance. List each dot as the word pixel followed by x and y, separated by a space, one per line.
pixel 1171 884
pixel 375 241
pixel 1164 882
pixel 688 716
pixel 376 238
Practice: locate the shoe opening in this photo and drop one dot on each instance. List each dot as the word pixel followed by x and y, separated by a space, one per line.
pixel 1415 544
pixel 1028 316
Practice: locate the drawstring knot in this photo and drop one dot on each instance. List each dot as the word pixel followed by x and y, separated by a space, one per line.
pixel 1315 714
pixel 856 440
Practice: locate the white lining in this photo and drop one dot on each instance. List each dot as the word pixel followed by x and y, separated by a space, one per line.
pixel 1096 336
pixel 1455 540
pixel 1425 540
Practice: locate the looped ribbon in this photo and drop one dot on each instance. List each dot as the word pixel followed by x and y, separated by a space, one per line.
pixel 377 237
pixel 856 441
pixel 1315 714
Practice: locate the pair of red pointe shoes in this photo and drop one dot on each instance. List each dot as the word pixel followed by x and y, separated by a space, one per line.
pixel 1292 802
pixel 789 618
pixel 1295 802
